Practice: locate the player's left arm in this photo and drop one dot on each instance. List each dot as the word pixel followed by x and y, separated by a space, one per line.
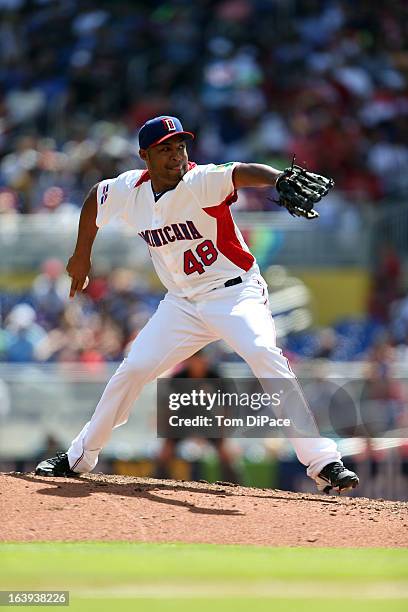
pixel 255 175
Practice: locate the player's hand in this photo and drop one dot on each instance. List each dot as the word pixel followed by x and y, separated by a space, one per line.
pixel 78 268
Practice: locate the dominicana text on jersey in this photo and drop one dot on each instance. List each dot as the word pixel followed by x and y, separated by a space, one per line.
pixel 193 240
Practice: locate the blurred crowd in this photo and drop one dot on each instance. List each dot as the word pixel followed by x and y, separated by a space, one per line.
pixel 42 324
pixel 79 77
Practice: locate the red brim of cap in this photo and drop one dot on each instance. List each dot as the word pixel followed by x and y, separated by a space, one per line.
pixel 167 136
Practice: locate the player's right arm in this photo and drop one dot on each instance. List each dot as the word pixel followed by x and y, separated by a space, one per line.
pixel 106 201
pixel 80 263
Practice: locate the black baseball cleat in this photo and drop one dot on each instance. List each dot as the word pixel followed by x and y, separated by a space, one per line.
pixel 56 466
pixel 337 477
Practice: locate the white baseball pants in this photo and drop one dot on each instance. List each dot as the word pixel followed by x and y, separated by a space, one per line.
pixel 180 327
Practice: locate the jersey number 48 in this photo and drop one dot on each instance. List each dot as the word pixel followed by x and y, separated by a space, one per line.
pixel 205 255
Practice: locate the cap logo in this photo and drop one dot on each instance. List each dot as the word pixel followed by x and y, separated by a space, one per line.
pixel 169 125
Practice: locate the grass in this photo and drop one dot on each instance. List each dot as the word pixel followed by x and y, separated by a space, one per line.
pixel 183 577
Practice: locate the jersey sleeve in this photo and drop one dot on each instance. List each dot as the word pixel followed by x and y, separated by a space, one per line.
pixel 113 195
pixel 213 184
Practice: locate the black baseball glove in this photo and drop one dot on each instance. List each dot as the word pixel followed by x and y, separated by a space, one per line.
pixel 299 190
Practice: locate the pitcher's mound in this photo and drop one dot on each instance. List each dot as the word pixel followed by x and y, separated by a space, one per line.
pixel 101 507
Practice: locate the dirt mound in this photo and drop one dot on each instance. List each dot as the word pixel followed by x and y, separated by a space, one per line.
pixel 100 507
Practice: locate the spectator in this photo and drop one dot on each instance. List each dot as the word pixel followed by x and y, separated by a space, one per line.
pixel 50 291
pixel 386 283
pixel 22 334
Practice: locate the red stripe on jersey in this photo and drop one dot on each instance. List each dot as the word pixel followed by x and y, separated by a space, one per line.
pixel 145 176
pixel 227 241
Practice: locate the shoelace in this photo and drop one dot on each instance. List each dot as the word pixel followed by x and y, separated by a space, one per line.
pixel 56 459
pixel 335 471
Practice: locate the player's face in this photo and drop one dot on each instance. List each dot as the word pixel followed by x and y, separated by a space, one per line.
pixel 167 162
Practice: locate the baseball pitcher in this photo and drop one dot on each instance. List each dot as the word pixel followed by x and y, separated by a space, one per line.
pixel 214 288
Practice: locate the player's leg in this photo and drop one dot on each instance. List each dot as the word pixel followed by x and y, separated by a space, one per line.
pixel 241 316
pixel 172 334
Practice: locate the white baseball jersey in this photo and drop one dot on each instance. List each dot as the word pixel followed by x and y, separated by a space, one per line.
pixel 191 235
pixel 196 247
